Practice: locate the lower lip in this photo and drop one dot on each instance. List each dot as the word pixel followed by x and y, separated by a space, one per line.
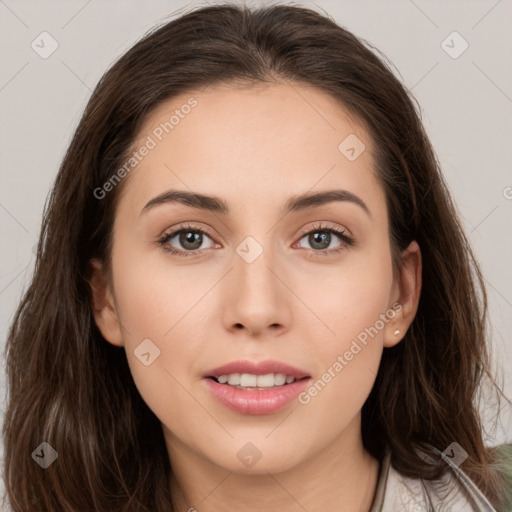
pixel 256 402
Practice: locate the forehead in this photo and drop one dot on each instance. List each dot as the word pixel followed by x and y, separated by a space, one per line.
pixel 247 143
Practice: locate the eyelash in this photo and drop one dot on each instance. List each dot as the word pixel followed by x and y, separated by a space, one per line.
pixel 340 233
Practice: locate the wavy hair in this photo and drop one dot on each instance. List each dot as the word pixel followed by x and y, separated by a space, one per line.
pixel 69 387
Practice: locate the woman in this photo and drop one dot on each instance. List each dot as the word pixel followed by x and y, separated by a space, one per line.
pixel 252 290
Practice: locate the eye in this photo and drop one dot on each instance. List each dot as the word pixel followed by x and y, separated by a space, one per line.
pixel 190 238
pixel 321 237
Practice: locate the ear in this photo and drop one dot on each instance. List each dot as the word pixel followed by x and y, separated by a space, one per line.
pixel 103 304
pixel 406 295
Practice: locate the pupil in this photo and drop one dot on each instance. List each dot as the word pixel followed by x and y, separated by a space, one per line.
pixel 190 238
pixel 320 237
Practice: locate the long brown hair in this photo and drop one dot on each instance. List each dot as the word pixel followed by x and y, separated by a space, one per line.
pixel 69 387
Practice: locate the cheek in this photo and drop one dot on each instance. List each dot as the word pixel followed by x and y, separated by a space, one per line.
pixel 349 296
pixel 354 308
pixel 155 296
pixel 164 317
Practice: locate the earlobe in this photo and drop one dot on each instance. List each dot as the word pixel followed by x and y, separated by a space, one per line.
pixel 102 303
pixel 408 292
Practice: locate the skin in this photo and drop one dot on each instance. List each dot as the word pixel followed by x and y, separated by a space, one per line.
pixel 255 147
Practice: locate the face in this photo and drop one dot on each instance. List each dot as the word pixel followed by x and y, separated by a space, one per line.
pixel 268 280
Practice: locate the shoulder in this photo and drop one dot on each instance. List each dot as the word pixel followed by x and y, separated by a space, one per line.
pixel 453 492
pixel 503 460
pixel 502 455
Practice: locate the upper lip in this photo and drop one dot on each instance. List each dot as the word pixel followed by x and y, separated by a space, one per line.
pixel 257 368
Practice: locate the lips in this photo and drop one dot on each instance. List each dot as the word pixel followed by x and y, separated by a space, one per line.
pixel 253 400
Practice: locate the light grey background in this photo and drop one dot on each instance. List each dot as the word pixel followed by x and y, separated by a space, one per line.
pixel 466 103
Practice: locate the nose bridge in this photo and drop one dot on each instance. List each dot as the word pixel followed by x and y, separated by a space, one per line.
pixel 252 261
pixel 256 250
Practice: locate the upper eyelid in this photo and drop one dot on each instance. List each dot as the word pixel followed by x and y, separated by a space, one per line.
pixel 338 231
pixel 320 227
pixel 325 226
pixel 173 232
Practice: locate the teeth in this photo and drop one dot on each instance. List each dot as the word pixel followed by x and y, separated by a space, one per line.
pixel 279 379
pixel 266 381
pixel 234 379
pixel 248 380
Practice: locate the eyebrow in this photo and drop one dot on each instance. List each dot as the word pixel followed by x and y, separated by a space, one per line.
pixel 218 205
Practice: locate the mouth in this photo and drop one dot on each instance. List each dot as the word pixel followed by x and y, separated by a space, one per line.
pixel 256 388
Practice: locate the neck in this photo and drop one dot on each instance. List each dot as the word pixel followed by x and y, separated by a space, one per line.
pixel 342 476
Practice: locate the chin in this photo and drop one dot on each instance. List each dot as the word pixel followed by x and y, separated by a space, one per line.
pixel 258 458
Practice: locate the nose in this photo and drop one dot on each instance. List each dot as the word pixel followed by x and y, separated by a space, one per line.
pixel 256 298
